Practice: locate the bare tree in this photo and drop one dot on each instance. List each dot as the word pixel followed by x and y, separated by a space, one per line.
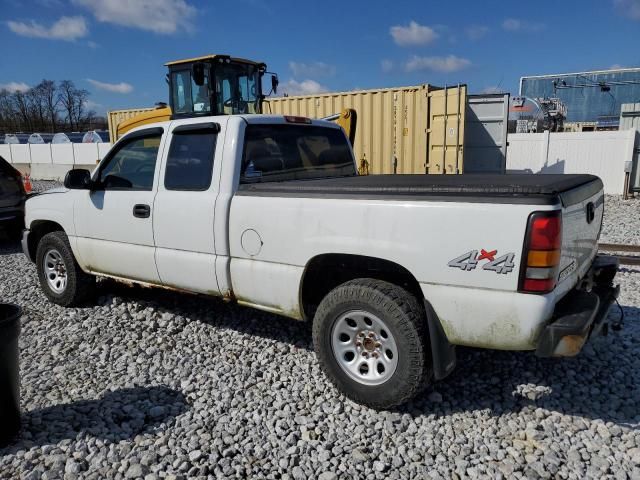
pixel 49 92
pixel 81 97
pixel 67 98
pixel 7 112
pixel 23 110
pixel 48 107
pixel 36 107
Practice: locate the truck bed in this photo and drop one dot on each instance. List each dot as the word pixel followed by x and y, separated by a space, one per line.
pixel 519 188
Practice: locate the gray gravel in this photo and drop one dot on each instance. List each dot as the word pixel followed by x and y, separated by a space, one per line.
pixel 621 221
pixel 153 384
pixel 42 185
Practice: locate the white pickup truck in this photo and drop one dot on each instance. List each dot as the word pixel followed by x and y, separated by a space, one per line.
pixel 394 271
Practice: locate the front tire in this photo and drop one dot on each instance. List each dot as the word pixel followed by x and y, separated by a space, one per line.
pixel 371 340
pixel 61 278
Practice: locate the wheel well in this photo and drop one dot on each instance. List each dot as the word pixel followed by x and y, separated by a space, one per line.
pixel 325 272
pixel 39 229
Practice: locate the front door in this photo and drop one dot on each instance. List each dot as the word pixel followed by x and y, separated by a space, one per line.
pixel 114 223
pixel 184 209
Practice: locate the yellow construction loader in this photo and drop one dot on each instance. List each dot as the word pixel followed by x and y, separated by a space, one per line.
pixel 215 85
pixel 207 85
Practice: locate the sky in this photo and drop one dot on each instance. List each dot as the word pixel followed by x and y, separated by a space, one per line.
pixel 116 49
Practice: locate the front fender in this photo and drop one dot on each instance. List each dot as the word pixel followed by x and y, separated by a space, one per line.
pixel 52 206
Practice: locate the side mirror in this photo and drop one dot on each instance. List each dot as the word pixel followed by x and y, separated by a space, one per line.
pixel 274 83
pixel 198 73
pixel 78 179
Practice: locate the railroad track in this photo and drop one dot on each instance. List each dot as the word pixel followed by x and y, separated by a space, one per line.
pixel 624 259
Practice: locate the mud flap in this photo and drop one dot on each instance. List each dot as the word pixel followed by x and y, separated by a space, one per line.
pixel 443 353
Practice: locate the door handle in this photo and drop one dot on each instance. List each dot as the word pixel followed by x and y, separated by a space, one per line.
pixel 141 211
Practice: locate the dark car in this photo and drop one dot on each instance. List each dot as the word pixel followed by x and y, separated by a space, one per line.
pixel 12 197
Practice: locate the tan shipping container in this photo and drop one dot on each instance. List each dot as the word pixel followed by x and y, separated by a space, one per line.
pixel 117 116
pixel 417 129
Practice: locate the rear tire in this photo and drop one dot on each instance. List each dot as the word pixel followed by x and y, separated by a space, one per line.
pixel 61 278
pixel 372 341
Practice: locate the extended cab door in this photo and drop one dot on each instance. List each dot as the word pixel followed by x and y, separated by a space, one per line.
pixel 184 207
pixel 114 221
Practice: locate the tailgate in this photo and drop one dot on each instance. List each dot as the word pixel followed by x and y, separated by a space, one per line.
pixel 582 212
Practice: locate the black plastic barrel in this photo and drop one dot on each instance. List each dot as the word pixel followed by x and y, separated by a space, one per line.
pixel 9 372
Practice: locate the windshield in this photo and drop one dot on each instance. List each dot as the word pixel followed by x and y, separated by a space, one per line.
pixel 237 88
pixel 274 153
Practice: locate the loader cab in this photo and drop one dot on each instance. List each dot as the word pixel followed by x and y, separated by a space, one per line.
pixel 216 85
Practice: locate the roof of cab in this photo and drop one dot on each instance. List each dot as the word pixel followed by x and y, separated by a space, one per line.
pixel 257 118
pixel 275 118
pixel 211 57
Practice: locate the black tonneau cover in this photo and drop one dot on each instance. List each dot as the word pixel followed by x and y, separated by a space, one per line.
pixel 519 188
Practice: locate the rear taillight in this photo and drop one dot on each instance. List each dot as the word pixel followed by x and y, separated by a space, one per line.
pixel 541 256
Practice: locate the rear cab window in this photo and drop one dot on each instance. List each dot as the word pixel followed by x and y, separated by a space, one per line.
pixel 280 152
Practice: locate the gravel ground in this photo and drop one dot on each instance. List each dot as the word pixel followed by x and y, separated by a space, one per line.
pixel 42 185
pixel 621 221
pixel 157 384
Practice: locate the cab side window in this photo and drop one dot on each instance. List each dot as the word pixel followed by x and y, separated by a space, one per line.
pixel 190 159
pixel 132 166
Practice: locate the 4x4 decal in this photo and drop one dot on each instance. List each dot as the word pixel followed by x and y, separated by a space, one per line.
pixel 469 261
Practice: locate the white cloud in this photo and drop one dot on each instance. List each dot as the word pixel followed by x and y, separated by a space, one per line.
pixel 121 87
pixel 92 44
pixel 413 34
pixel 615 66
pixel 512 24
pixel 630 8
pixel 476 32
pixel 306 87
pixel 91 105
pixel 517 25
pixel 493 89
pixel 447 64
pixel 386 65
pixel 15 87
pixel 159 16
pixel 315 69
pixel 65 28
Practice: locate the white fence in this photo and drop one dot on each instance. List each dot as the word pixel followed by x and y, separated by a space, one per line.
pixel 53 161
pixel 605 154
pixel 55 154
